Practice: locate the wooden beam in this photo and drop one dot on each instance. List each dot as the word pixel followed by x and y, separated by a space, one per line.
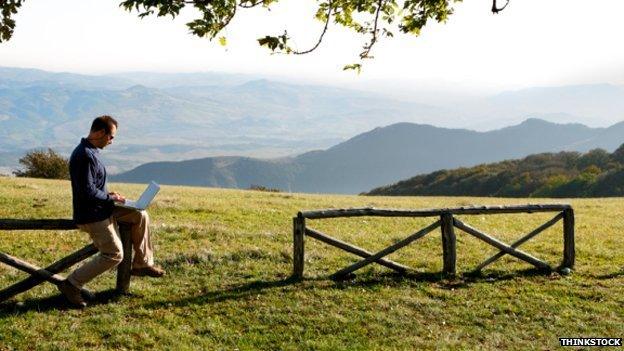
pixel 298 246
pixel 125 267
pixel 353 249
pixel 34 270
pixel 36 224
pixel 568 239
pixel 30 268
pixel 449 245
pixel 471 210
pixel 390 249
pixel 501 246
pixel 55 267
pixel 521 241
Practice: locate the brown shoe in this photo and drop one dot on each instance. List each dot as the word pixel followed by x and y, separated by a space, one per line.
pixel 151 271
pixel 72 294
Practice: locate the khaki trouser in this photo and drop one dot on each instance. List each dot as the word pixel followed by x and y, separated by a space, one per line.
pixel 105 236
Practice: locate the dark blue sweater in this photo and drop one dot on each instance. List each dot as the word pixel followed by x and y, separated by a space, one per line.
pixel 88 179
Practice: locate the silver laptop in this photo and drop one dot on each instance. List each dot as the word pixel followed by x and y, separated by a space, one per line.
pixel 146 198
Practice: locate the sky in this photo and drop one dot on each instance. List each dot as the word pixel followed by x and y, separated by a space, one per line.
pixel 531 43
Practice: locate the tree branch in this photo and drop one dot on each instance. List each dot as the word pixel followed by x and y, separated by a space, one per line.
pixel 320 39
pixel 368 47
pixel 496 9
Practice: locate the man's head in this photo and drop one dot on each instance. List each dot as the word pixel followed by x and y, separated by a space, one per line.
pixel 103 130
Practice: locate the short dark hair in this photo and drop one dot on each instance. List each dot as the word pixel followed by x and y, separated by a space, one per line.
pixel 103 122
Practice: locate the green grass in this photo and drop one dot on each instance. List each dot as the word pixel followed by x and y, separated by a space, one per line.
pixel 228 254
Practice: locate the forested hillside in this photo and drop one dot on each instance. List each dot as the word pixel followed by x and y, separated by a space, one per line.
pixel 596 173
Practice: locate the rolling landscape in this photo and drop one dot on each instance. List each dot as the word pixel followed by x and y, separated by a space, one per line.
pixel 301 132
pixel 179 117
pixel 379 157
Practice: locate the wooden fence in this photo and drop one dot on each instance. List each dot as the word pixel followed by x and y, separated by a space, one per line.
pixel 447 222
pixel 39 275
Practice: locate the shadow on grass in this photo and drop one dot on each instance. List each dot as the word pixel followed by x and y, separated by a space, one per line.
pixel 440 279
pixel 390 278
pixel 255 288
pixel 612 275
pixel 56 302
pixel 498 275
pixel 258 287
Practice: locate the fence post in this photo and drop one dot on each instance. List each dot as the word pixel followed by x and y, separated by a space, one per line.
pixel 298 246
pixel 449 250
pixel 123 270
pixel 568 239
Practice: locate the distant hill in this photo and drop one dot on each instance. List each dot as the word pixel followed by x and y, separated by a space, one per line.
pixel 380 156
pixel 11 77
pixel 184 116
pixel 590 104
pixel 602 103
pixel 596 173
pixel 223 172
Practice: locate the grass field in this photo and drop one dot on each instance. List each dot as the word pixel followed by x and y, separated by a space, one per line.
pixel 228 254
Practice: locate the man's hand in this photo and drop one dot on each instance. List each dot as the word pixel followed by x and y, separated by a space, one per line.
pixel 117 197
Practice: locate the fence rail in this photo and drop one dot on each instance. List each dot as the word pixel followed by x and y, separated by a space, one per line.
pixel 447 222
pixel 472 210
pixel 39 275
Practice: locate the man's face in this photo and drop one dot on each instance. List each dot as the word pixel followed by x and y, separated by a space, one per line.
pixel 102 139
pixel 109 137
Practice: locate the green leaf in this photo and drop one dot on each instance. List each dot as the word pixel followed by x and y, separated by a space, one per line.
pixel 354 66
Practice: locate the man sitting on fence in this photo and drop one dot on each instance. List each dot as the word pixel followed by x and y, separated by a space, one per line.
pixel 96 214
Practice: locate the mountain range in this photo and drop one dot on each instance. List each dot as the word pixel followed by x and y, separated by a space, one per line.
pixel 380 156
pixel 183 116
pixel 245 121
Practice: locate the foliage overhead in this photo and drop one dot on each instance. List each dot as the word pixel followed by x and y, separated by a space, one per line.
pixel 373 19
pixel 566 174
pixel 43 164
pixel 7 23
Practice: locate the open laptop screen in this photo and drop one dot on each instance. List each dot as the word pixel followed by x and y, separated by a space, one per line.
pixel 148 195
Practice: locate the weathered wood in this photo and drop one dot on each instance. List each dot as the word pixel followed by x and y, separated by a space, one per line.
pixel 30 268
pixel 354 249
pixel 390 249
pixel 36 224
pixel 55 267
pixel 449 246
pixel 568 239
pixel 298 246
pixel 125 267
pixel 48 274
pixel 501 246
pixel 34 270
pixel 472 210
pixel 521 241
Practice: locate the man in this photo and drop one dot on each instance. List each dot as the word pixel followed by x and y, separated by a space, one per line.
pixel 96 214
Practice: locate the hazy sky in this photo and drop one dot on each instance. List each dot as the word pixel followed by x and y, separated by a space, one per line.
pixel 531 43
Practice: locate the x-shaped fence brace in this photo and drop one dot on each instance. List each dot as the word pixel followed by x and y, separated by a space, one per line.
pixel 447 222
pixel 39 275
